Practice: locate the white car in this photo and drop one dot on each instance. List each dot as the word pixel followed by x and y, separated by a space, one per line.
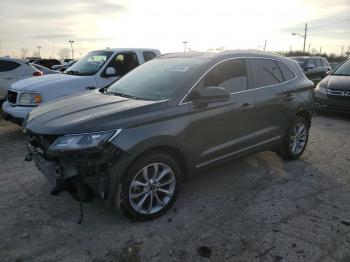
pixel 12 70
pixel 98 69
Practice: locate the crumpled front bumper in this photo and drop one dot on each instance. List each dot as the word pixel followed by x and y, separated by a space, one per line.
pixel 48 168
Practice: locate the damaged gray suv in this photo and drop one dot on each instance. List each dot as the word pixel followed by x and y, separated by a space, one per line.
pixel 135 141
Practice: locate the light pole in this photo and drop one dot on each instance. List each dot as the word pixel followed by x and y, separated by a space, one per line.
pixel 303 36
pixel 265 45
pixel 71 47
pixel 39 47
pixel 185 43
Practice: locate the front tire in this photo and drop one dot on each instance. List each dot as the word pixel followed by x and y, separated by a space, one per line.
pixel 295 140
pixel 150 186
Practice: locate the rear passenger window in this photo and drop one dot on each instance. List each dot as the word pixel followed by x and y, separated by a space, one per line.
pixel 8 65
pixel 311 63
pixel 231 75
pixel 266 72
pixel 148 55
pixel 286 72
pixel 318 62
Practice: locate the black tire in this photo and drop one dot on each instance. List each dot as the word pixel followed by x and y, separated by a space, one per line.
pixel 286 149
pixel 154 157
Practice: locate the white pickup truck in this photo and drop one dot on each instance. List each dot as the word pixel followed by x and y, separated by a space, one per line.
pixel 96 70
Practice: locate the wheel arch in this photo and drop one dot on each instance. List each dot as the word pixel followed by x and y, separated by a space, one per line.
pixel 306 115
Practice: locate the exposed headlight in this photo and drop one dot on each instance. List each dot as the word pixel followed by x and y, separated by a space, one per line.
pixel 30 99
pixel 321 89
pixel 83 141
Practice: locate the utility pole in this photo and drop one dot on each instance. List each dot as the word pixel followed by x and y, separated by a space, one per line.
pixel 309 48
pixel 39 47
pixel 0 48
pixel 265 45
pixel 305 35
pixel 185 43
pixel 348 52
pixel 320 49
pixel 342 50
pixel 71 47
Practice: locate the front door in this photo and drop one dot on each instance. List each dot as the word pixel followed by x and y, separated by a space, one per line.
pixel 222 129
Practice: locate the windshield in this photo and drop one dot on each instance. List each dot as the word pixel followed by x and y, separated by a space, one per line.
pixel 343 70
pixel 157 79
pixel 89 64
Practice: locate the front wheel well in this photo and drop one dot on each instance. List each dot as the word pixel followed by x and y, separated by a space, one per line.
pixel 172 152
pixel 306 115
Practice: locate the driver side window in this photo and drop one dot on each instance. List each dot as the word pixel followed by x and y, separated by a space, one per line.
pixel 231 75
pixel 123 63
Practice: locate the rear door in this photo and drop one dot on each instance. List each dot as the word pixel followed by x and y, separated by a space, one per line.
pixel 274 92
pixel 320 70
pixel 7 76
pixel 311 70
pixel 219 130
pixel 123 63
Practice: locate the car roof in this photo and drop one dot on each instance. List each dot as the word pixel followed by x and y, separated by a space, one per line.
pixel 307 57
pixel 13 59
pixel 224 54
pixel 127 49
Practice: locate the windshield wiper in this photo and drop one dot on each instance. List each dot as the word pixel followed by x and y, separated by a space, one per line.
pixel 122 95
pixel 72 72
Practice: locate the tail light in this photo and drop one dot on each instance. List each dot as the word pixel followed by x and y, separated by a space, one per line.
pixel 38 73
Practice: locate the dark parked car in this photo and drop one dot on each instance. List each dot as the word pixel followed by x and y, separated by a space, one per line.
pixel 64 67
pixel 48 63
pixel 134 142
pixel 333 92
pixel 315 67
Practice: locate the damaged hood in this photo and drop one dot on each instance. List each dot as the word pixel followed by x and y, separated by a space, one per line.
pixel 89 112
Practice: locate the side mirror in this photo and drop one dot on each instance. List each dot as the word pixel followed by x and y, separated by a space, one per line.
pixel 210 94
pixel 309 66
pixel 110 71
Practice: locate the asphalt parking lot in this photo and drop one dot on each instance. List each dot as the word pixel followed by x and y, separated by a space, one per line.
pixel 258 208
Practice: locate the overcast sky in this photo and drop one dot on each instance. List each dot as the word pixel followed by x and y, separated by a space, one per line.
pixel 165 24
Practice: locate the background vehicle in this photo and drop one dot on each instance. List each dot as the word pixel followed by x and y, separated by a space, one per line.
pixel 12 70
pixel 48 63
pixel 96 70
pixel 315 67
pixel 133 142
pixel 64 67
pixel 45 70
pixel 333 92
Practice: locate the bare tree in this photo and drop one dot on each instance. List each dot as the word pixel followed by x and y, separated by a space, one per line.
pixel 63 53
pixel 24 52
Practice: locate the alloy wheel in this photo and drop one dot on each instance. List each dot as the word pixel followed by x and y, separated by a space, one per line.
pixel 298 138
pixel 152 188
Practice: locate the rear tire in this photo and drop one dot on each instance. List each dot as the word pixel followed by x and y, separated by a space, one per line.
pixel 150 186
pixel 295 140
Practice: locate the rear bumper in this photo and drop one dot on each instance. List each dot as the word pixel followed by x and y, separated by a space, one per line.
pixel 15 113
pixel 327 103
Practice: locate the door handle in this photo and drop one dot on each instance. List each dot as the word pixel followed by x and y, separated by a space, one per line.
pixel 246 106
pixel 90 87
pixel 8 78
pixel 290 96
